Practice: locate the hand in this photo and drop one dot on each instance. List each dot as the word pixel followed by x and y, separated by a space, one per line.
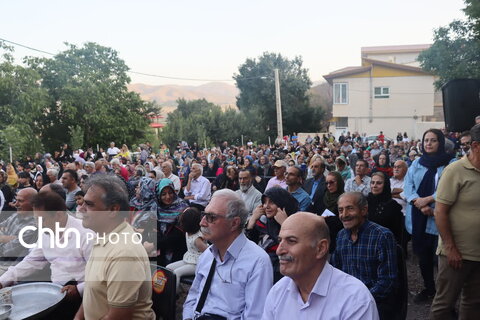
pixel 281 216
pixel 258 212
pixel 71 290
pixel 358 180
pixel 454 257
pixel 148 246
pixel 428 211
pixel 191 176
pixel 421 202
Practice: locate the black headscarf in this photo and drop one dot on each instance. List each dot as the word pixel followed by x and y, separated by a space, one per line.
pixel 386 195
pixel 330 199
pixel 427 186
pixel 282 198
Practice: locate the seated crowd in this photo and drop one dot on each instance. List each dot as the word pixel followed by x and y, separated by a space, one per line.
pixel 292 231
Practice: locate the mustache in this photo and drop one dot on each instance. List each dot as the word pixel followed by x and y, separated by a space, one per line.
pixel 205 230
pixel 285 257
pixel 346 219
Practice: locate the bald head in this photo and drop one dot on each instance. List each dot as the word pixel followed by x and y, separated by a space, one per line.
pixel 310 224
pixel 24 200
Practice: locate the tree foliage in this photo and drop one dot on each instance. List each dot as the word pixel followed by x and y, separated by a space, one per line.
pixel 87 88
pixel 205 123
pixel 454 54
pixel 256 83
pixel 22 101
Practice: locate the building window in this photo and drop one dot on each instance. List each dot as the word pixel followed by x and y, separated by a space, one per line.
pixel 340 93
pixel 342 122
pixel 381 92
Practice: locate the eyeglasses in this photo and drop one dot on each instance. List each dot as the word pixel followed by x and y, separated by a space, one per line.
pixel 211 217
pixel 330 182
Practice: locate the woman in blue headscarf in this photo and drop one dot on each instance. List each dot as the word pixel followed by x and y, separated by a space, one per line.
pixel 419 190
pixel 170 237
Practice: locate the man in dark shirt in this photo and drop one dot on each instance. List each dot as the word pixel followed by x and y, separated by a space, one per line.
pixel 366 251
pixel 315 186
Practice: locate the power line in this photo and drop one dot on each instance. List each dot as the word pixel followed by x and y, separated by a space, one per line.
pixel 131 71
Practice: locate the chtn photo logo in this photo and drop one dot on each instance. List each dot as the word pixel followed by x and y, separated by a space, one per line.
pixel 56 240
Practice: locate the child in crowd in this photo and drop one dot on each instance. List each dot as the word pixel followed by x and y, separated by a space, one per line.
pixel 190 223
pixel 79 203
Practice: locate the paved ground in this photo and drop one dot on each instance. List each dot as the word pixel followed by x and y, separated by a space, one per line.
pixel 415 284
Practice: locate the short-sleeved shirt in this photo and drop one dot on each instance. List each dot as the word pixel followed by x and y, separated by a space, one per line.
pixel 459 188
pixel 118 275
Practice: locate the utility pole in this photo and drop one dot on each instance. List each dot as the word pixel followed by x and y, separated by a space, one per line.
pixel 279 105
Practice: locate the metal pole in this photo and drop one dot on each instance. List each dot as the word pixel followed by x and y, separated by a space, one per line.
pixel 11 155
pixel 279 105
pixel 242 140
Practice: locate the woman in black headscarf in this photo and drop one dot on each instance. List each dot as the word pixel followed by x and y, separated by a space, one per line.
pixel 419 191
pixel 335 188
pixel 382 209
pixel 264 225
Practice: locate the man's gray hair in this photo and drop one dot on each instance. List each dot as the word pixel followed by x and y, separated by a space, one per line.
pixel 53 171
pixel 475 132
pixel 235 205
pixel 115 161
pixel 89 164
pixel 168 163
pixel 361 200
pixel 114 188
pixel 199 166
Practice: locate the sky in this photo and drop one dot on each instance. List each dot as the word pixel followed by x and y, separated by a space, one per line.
pixel 210 39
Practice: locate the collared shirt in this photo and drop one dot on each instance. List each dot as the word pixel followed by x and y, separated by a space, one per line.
pixel 304 200
pixel 335 295
pixel 12 227
pixel 118 275
pixel 399 184
pixel 65 263
pixel 371 258
pixel 176 182
pixel 364 187
pixel 413 179
pixel 70 199
pixel 458 188
pixel 252 198
pixel 240 283
pixel 275 182
pixel 315 184
pixel 200 188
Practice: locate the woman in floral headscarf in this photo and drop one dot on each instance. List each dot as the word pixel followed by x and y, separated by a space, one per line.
pixel 144 203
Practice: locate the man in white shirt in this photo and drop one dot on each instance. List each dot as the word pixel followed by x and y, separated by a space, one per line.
pixel 312 288
pixel 250 195
pixel 198 188
pixel 67 263
pixel 112 151
pixel 167 169
pixel 397 182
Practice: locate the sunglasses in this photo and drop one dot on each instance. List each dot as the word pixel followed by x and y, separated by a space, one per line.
pixel 211 217
pixel 331 182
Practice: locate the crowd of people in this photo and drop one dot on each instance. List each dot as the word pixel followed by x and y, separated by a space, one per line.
pixel 297 230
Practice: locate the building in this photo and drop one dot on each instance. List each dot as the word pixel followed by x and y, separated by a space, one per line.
pixel 389 92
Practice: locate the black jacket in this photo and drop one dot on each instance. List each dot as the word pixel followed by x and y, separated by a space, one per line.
pixel 318 205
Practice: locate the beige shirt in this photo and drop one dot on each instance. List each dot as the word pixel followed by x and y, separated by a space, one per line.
pixel 459 188
pixel 118 275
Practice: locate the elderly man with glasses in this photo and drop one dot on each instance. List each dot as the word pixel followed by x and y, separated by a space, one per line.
pixel 233 275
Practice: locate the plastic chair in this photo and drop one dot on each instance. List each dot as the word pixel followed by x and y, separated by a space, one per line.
pixel 163 292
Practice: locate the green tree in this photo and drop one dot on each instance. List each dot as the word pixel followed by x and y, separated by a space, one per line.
pixel 205 123
pixel 454 54
pixel 255 80
pixel 88 88
pixel 472 10
pixel 22 103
